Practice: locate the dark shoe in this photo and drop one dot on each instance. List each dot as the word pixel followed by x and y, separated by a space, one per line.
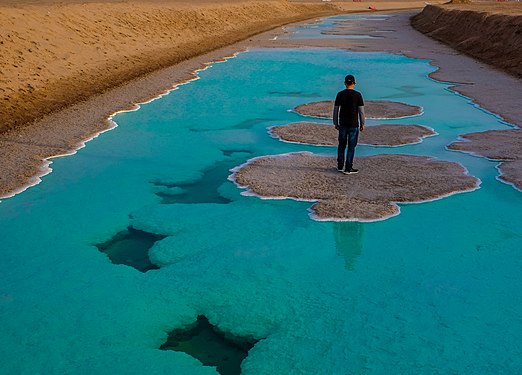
pixel 340 169
pixel 351 171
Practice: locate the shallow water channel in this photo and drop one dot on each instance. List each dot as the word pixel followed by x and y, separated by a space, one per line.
pixel 435 289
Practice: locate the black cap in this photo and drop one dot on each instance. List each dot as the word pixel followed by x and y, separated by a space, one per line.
pixel 349 79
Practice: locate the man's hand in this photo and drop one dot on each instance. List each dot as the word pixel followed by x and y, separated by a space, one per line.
pixel 362 127
pixel 336 127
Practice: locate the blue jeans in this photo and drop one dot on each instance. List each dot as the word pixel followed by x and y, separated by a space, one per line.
pixel 347 136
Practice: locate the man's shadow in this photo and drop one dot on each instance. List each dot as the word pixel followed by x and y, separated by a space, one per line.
pixel 348 241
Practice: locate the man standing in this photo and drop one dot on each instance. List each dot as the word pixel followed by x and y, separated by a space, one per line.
pixel 347 115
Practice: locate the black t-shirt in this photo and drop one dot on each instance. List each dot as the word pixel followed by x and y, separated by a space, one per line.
pixel 349 100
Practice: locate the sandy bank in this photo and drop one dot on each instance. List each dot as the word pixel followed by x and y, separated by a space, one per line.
pixel 58 54
pixel 488 32
pixel 376 135
pixel 370 195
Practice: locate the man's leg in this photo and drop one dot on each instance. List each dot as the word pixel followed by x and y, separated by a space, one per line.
pixel 353 136
pixel 343 134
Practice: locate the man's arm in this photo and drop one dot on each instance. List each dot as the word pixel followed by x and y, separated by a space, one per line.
pixel 362 116
pixel 336 116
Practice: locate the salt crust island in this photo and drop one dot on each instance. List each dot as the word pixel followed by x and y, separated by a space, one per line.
pixel 375 109
pixel 503 145
pixel 369 196
pixel 376 135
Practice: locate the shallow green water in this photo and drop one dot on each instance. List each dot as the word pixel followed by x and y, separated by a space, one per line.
pixel 432 290
pixel 321 28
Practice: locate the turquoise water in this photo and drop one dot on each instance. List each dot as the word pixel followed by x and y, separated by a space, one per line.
pixel 434 290
pixel 315 30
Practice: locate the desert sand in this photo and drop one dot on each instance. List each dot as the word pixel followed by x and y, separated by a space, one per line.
pixel 313 133
pixel 58 54
pixel 369 196
pixel 374 109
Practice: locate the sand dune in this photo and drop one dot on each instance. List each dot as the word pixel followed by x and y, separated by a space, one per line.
pixel 54 55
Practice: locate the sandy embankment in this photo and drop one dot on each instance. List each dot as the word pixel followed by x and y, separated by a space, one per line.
pixel 488 32
pixel 55 55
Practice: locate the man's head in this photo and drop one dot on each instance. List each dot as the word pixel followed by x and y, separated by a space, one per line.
pixel 349 80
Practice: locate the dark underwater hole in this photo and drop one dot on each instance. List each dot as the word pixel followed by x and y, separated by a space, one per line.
pixel 210 346
pixel 206 189
pixel 131 247
pixel 232 151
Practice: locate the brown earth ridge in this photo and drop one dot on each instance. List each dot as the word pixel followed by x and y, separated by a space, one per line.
pixel 489 32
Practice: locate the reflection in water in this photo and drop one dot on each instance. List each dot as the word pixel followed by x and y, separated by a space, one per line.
pixel 248 124
pixel 231 152
pixel 348 241
pixel 405 91
pixel 295 94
